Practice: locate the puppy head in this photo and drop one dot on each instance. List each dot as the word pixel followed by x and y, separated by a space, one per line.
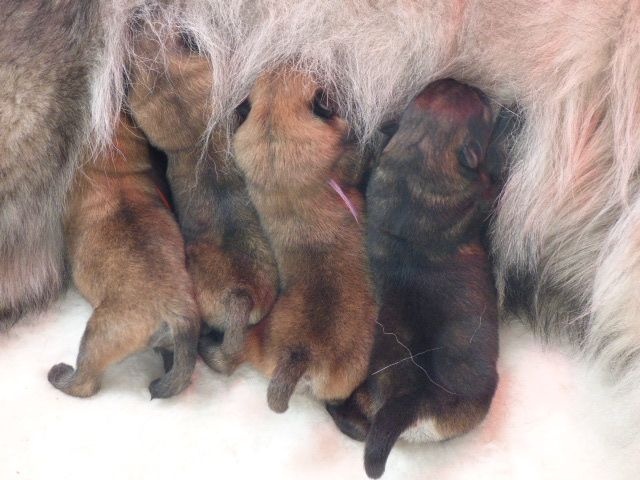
pixel 289 131
pixel 448 125
pixel 170 91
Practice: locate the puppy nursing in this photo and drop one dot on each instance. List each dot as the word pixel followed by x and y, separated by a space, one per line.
pixel 228 256
pixel 127 258
pixel 433 368
pixel 431 358
pixel 291 148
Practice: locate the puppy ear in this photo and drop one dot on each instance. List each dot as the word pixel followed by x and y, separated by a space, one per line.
pixel 395 416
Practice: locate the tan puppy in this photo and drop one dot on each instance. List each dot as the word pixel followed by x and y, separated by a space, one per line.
pixel 291 148
pixel 127 259
pixel 228 256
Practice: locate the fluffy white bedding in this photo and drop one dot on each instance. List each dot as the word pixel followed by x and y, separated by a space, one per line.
pixel 552 418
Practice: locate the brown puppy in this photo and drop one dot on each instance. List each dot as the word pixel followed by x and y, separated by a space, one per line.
pixel 297 159
pixel 127 259
pixel 228 256
pixel 433 368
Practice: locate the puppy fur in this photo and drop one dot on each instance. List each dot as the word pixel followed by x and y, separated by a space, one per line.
pixel 433 368
pixel 228 256
pixel 290 147
pixel 127 259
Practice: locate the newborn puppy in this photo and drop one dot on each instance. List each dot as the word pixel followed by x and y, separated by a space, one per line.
pixel 228 256
pixel 433 368
pixel 301 170
pixel 127 259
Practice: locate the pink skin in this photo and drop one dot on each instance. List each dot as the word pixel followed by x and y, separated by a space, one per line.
pixel 333 184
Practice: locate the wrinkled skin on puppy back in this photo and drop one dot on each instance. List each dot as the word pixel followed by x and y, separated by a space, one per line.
pixel 321 328
pixel 432 374
pixel 46 50
pixel 127 259
pixel 228 256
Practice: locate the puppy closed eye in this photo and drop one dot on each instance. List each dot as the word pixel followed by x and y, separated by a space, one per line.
pixel 469 156
pixel 322 107
pixel 243 110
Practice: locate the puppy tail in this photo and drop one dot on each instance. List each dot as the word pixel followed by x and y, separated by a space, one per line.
pixel 291 367
pixel 185 352
pixel 395 416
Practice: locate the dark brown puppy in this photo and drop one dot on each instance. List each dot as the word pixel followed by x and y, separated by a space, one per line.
pixel 297 158
pixel 127 259
pixel 228 256
pixel 433 368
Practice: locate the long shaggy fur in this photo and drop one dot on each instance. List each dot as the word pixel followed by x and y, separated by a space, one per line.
pixel 45 56
pixel 566 225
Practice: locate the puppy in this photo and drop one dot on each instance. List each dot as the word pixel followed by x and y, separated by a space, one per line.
pixel 433 367
pixel 301 169
pixel 228 256
pixel 127 259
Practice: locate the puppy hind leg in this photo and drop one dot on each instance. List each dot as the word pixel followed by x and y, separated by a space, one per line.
pixel 185 352
pixel 225 355
pixel 395 416
pixel 236 322
pixel 349 418
pixel 102 344
pixel 210 350
pixel 167 357
pixel 290 368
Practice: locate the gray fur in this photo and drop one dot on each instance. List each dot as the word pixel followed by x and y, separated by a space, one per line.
pixel 45 64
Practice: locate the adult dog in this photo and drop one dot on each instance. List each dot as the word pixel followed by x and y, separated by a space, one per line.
pixel 566 236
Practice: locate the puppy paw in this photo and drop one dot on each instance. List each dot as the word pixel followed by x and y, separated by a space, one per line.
pixel 65 379
pixel 214 357
pixel 60 375
pixel 157 389
pixel 349 421
pixel 164 387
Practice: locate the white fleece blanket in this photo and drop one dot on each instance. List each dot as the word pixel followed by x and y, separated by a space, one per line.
pixel 553 418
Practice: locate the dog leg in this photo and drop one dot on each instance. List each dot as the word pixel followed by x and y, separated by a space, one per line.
pixel 183 361
pixel 99 348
